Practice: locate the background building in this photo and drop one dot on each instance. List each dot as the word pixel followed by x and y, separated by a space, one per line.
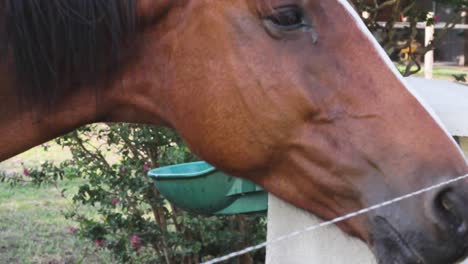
pixel 453 49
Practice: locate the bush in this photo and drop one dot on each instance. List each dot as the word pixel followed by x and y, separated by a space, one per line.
pixel 132 219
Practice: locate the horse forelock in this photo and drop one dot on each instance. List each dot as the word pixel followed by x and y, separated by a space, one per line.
pixel 57 46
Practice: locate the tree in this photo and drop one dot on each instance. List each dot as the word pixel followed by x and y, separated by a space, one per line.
pixel 392 39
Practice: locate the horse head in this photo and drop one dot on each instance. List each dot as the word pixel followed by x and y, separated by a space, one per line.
pixel 297 96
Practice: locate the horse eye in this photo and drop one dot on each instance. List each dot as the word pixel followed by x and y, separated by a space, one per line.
pixel 287 18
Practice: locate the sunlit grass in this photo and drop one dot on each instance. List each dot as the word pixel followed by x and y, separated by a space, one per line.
pixel 34 230
pixel 439 72
pixel 35 157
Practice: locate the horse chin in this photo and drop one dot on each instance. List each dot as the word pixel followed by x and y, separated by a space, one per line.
pixel 390 247
pixel 393 247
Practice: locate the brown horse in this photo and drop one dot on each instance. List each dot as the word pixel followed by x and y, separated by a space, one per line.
pixel 292 94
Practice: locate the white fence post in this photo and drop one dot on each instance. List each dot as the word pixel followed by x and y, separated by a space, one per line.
pixel 330 245
pixel 323 246
pixel 429 56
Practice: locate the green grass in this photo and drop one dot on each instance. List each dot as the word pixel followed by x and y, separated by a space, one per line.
pixel 34 157
pixel 32 226
pixel 33 229
pixel 440 72
pixel 448 72
pixel 464 145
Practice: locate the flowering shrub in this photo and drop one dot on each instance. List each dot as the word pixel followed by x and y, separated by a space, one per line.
pixel 26 172
pixel 135 242
pixel 132 219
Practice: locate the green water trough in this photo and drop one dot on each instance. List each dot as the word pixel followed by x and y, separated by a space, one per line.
pixel 201 188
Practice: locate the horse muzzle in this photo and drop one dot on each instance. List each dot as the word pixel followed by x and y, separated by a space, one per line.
pixel 441 239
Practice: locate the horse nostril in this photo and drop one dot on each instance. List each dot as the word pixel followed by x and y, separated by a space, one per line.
pixel 451 212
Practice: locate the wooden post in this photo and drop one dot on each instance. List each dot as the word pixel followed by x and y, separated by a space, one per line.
pixel 429 56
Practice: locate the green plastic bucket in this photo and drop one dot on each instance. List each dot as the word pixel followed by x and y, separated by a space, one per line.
pixel 201 188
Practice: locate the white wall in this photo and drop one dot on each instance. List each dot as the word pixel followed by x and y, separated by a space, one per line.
pixel 330 245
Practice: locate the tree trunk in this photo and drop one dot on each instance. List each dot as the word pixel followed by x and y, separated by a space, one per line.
pixel 159 217
pixel 246 258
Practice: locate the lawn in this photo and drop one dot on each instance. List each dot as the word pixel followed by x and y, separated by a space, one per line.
pixel 34 157
pixel 32 226
pixel 33 229
pixel 442 72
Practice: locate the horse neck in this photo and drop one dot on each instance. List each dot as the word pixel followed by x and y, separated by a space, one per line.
pixel 23 126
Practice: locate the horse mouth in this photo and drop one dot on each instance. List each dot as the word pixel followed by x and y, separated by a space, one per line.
pixel 390 247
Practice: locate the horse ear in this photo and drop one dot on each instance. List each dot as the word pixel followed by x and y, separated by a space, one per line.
pixel 150 10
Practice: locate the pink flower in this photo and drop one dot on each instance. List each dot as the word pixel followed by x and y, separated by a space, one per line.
pixel 26 172
pixel 99 242
pixel 115 201
pixel 72 229
pixel 146 166
pixel 436 19
pixel 135 242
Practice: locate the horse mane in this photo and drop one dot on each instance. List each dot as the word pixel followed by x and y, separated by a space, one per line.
pixel 57 46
